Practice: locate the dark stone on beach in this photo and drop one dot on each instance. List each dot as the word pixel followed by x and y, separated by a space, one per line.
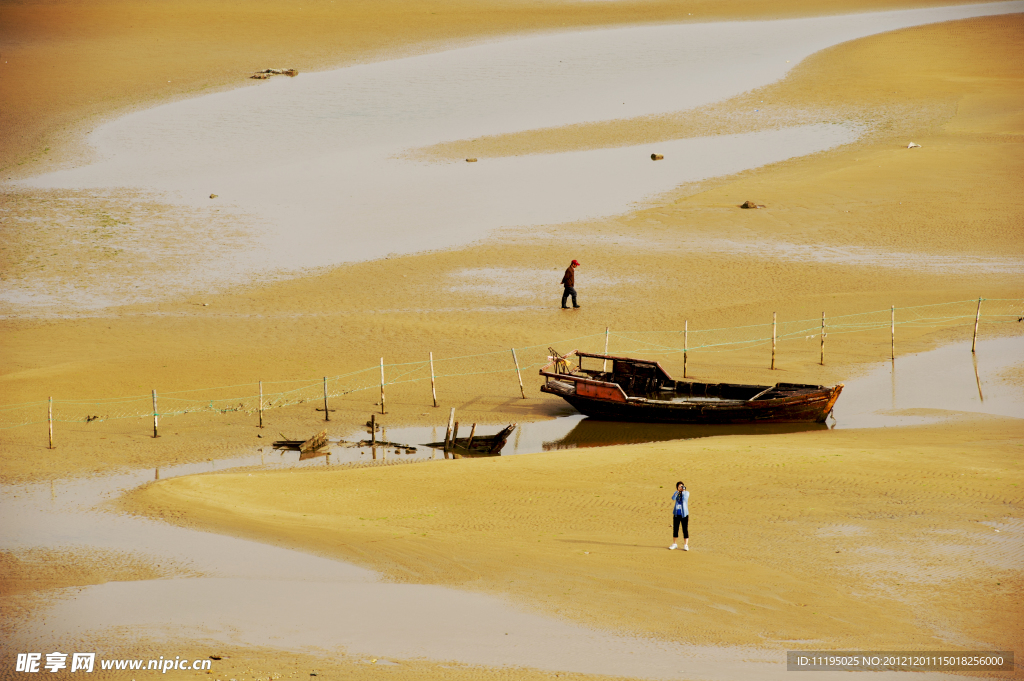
pixel 751 204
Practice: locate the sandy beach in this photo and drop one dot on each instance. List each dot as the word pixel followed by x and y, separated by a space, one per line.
pixel 907 538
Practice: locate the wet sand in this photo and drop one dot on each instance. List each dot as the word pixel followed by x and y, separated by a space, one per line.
pixel 955 90
pixel 848 540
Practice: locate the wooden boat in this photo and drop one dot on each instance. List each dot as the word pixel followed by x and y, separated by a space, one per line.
pixel 641 390
pixel 477 445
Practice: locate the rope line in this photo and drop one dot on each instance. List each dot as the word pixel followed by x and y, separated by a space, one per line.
pixel 531 357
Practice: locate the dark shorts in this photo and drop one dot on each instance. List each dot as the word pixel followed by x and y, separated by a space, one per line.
pixel 683 520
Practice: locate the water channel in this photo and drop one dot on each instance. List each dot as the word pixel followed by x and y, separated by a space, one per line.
pixel 315 168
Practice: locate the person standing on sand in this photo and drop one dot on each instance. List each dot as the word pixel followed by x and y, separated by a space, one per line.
pixel 680 516
pixel 569 281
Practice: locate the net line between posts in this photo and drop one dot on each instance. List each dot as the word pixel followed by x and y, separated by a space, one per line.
pixel 260 396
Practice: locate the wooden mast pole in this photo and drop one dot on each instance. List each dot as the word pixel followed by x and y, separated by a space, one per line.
pixel 448 433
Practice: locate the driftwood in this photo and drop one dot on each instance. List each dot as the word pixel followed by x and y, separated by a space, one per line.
pixel 267 73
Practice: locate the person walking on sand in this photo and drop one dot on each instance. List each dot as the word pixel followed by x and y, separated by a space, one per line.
pixel 680 516
pixel 569 281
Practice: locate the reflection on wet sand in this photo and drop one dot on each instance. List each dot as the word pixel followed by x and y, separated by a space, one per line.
pixel 594 433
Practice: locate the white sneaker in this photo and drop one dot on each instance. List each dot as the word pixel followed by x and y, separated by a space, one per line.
pixel 671 548
pixel 686 548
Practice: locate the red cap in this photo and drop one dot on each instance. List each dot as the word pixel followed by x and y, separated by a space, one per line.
pixel 575 262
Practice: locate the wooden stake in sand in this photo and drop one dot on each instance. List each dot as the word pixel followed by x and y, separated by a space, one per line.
pixel 49 419
pixel 822 339
pixel 327 411
pixel 261 404
pixel 977 318
pixel 774 314
pixel 892 327
pixel 448 433
pixel 519 374
pixel 686 334
pixel 382 386
pixel 472 433
pixel 604 367
pixel 977 378
pixel 373 430
pixel 155 434
pixel 455 434
pixel 433 389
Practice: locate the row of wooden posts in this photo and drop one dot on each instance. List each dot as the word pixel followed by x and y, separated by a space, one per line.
pixel 522 391
pixel 892 336
pixel 327 410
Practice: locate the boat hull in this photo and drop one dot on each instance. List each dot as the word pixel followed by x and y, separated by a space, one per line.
pixel 640 390
pixel 812 408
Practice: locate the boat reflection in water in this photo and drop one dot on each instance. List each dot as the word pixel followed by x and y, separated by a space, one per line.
pixel 597 433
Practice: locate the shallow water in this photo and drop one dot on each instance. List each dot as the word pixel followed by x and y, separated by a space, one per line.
pixel 947 379
pixel 313 167
pixel 860 256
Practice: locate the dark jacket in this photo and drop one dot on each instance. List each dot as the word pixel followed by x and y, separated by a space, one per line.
pixel 570 277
